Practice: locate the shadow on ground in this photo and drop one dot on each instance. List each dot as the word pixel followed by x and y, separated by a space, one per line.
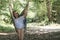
pixel 46 36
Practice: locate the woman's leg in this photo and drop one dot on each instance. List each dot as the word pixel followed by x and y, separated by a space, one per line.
pixel 20 33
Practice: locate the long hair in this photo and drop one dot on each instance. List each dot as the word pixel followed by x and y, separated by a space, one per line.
pixel 14 14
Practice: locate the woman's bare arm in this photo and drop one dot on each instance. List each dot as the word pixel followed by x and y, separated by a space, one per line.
pixel 10 8
pixel 25 10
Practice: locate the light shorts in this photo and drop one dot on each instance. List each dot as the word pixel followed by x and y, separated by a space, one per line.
pixel 19 22
pixel 21 26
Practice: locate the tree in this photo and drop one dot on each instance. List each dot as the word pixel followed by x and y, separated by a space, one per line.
pixel 49 9
pixel 11 10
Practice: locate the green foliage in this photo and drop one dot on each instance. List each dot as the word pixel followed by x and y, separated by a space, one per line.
pixel 56 11
pixel 41 11
pixel 37 6
pixel 6 29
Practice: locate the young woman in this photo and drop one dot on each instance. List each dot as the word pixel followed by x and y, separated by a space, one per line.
pixel 19 22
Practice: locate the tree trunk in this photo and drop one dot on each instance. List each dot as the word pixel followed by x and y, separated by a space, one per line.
pixel 11 9
pixel 49 9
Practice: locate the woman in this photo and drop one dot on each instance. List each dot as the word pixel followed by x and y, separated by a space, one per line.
pixel 19 22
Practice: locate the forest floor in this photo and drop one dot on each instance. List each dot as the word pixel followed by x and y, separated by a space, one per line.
pixel 28 36
pixel 49 32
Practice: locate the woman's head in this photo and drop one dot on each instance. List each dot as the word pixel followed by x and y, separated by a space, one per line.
pixel 15 14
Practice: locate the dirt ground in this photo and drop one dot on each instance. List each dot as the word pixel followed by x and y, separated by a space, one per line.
pixel 29 36
pixel 34 34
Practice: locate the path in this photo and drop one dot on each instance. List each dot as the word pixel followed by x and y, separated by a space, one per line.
pixel 36 33
pixel 28 36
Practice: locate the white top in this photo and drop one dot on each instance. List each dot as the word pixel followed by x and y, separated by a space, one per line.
pixel 19 22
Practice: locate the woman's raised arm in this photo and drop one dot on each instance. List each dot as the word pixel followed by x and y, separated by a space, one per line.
pixel 24 12
pixel 11 8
